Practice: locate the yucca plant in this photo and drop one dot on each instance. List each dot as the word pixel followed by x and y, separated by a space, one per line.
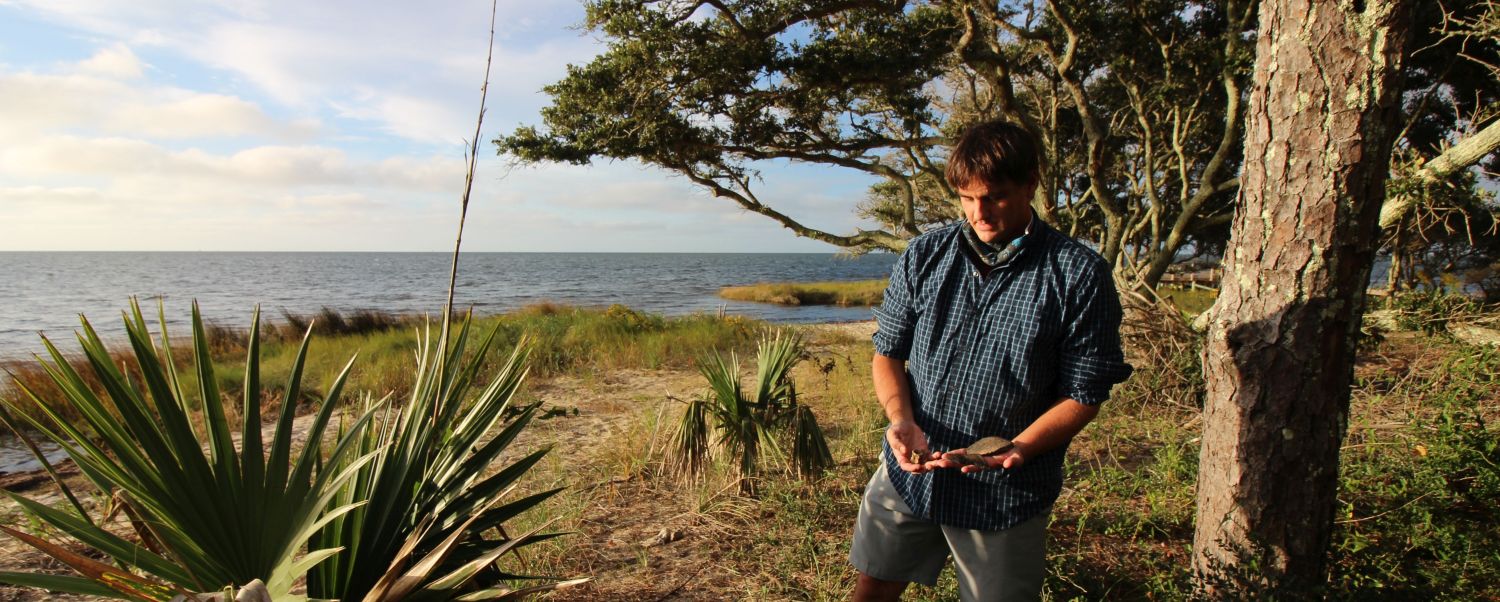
pixel 421 535
pixel 206 516
pixel 745 427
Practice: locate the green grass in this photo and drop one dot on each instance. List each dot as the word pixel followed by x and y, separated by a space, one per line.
pixel 1420 480
pixel 566 340
pixel 1191 300
pixel 850 293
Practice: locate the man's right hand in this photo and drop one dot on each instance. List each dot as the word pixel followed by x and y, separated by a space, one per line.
pixel 906 437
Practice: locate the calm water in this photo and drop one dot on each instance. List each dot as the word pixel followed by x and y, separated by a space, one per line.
pixel 46 291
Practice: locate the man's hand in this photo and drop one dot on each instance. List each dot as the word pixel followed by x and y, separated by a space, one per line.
pixel 1056 427
pixel 1011 458
pixel 905 438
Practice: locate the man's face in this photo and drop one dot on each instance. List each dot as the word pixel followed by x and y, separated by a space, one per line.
pixel 997 210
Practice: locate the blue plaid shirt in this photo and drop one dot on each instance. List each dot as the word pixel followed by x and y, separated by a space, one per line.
pixel 989 354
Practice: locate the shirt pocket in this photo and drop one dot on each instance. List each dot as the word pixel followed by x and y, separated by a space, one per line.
pixel 1026 330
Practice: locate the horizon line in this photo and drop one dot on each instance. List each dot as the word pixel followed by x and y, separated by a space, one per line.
pixel 448 252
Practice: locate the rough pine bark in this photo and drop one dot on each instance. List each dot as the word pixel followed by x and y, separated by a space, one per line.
pixel 1280 351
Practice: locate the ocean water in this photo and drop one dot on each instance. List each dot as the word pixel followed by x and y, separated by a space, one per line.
pixel 47 291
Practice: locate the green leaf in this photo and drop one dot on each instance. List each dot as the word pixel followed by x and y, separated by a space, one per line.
pixel 464 573
pixel 129 553
pixel 62 584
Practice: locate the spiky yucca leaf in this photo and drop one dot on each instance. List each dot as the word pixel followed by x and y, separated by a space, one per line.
pixel 739 421
pixel 219 516
pixel 421 535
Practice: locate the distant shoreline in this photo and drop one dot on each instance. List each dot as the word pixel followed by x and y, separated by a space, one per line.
pixel 840 293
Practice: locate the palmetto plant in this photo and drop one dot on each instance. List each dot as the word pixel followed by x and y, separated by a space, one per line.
pixel 205 516
pixel 746 427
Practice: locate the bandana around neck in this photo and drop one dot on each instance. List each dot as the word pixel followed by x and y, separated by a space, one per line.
pixel 995 255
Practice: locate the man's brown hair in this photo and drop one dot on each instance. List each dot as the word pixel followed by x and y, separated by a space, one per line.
pixel 993 152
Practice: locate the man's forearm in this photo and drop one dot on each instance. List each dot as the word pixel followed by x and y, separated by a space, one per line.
pixel 1055 427
pixel 891 388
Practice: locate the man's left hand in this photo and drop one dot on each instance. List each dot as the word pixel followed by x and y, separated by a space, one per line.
pixel 1012 458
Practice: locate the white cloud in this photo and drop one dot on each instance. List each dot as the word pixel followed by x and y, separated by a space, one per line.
pixel 294 66
pixel 141 164
pixel 412 69
pixel 614 186
pixel 42 195
pixel 116 61
pixel 413 118
pixel 201 116
pixel 430 173
pixel 36 103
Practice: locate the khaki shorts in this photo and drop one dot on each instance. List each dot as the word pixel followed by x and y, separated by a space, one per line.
pixel 891 544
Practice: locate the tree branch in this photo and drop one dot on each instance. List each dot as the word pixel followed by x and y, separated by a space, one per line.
pixel 879 239
pixel 1459 156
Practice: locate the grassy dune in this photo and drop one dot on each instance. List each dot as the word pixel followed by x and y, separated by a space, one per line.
pixel 850 293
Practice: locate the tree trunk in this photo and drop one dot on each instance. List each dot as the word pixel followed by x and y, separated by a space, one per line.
pixel 1280 351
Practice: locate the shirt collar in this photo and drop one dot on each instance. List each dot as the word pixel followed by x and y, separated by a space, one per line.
pixel 994 256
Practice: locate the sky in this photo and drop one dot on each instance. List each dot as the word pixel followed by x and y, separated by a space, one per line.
pixel 334 125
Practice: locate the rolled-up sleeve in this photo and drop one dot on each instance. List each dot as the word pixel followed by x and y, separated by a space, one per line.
pixel 1091 359
pixel 896 316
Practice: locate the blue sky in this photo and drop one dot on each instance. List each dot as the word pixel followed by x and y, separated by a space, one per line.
pixel 271 125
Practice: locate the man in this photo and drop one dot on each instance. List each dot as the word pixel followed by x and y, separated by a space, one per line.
pixel 994 325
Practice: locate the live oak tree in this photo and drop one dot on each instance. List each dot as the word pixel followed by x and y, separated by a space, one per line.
pixel 1452 113
pixel 1322 114
pixel 707 89
pixel 1137 106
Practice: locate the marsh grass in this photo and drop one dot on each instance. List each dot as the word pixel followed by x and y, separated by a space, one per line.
pixel 1192 300
pixel 841 293
pixel 567 340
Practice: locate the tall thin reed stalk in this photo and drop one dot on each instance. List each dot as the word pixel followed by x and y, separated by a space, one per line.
pixel 422 535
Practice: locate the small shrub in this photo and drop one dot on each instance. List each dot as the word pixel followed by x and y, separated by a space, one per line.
pixel 1167 355
pixel 1430 311
pixel 751 423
